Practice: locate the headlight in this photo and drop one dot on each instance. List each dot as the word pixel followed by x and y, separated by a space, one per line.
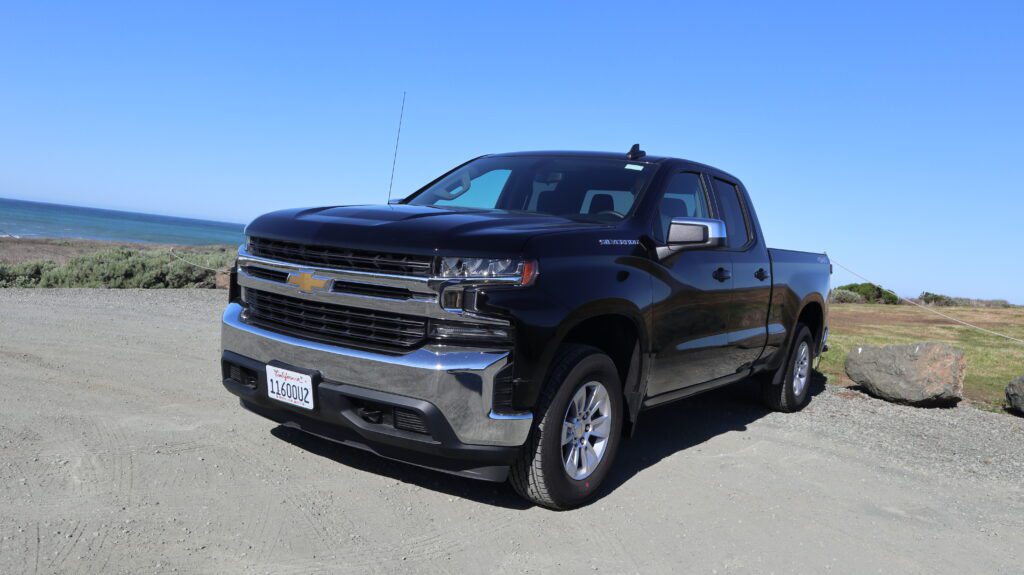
pixel 521 272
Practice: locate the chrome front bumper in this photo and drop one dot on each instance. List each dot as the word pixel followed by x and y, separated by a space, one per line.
pixel 458 381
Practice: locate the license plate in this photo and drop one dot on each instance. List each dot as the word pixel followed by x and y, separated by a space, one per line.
pixel 289 386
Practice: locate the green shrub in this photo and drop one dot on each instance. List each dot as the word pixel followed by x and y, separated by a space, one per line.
pixel 935 299
pixel 947 301
pixel 839 295
pixel 122 268
pixel 872 293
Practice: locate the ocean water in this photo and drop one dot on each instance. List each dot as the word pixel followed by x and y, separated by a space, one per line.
pixel 35 219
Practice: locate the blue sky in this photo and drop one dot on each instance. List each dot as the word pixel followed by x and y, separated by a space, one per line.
pixel 888 133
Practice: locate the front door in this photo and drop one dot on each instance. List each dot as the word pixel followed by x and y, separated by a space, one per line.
pixel 692 298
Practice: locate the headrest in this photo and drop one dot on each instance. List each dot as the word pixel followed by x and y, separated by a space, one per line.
pixel 602 203
pixel 674 208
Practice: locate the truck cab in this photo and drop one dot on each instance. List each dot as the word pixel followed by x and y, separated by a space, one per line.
pixel 512 319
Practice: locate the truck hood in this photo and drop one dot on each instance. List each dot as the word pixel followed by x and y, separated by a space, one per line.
pixel 412 229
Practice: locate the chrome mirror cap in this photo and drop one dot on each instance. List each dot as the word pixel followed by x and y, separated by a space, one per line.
pixel 693 233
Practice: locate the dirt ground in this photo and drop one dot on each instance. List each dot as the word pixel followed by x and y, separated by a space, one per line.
pixel 120 452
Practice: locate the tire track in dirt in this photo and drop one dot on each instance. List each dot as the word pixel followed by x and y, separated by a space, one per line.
pixel 66 545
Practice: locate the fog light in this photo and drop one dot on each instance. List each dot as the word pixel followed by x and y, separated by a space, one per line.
pixel 444 330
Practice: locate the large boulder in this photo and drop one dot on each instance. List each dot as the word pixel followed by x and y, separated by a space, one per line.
pixel 1015 395
pixel 921 374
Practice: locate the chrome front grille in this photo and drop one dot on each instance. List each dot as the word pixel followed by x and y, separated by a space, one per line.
pixel 374 310
pixel 334 324
pixel 341 258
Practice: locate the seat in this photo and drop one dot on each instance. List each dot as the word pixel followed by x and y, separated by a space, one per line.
pixel 601 203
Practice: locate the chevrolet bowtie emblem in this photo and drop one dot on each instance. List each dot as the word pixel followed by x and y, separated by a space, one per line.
pixel 307 282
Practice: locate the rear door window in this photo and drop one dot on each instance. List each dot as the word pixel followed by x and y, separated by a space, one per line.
pixel 736 224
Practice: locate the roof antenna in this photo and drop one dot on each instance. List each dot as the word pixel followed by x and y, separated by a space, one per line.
pixel 394 160
pixel 635 153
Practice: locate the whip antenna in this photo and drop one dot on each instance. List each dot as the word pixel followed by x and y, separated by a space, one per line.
pixel 394 159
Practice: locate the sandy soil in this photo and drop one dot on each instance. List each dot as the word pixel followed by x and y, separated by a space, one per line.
pixel 120 452
pixel 17 250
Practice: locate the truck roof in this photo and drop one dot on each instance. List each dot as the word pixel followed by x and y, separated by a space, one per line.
pixel 648 158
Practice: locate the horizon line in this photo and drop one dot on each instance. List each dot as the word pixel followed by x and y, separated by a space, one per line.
pixel 121 211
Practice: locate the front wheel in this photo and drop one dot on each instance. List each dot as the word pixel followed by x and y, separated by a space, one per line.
pixel 571 449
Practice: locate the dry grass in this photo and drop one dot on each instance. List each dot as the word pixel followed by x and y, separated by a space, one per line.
pixel 60 251
pixel 991 361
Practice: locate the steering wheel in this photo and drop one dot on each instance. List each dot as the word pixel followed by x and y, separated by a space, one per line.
pixel 617 215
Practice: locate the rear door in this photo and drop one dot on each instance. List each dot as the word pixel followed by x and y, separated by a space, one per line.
pixel 751 278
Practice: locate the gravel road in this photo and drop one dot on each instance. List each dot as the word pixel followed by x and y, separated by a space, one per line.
pixel 120 452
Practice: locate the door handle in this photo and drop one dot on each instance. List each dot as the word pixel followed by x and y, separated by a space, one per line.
pixel 761 274
pixel 721 274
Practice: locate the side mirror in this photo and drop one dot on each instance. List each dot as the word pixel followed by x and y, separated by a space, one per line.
pixel 395 201
pixel 690 233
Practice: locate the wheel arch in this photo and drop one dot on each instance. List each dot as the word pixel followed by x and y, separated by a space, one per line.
pixel 812 314
pixel 619 332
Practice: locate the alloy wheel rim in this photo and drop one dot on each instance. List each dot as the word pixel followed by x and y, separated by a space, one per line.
pixel 586 430
pixel 802 371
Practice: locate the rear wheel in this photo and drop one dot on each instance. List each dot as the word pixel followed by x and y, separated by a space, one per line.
pixel 572 447
pixel 793 392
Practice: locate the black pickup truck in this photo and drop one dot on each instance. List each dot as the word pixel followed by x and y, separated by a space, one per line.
pixel 513 319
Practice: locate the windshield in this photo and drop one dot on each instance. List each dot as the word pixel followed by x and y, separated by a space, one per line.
pixel 580 188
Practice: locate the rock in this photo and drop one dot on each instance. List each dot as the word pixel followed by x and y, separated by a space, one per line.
pixel 222 280
pixel 1015 395
pixel 920 374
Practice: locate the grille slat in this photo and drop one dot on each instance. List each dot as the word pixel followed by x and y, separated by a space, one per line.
pixel 341 258
pixel 372 290
pixel 265 274
pixel 334 324
pixel 299 316
pixel 313 307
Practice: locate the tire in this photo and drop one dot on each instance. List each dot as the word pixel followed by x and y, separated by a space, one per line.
pixel 540 473
pixel 788 395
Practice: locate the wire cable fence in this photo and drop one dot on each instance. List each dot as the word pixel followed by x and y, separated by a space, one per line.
pixel 928 308
pixel 224 270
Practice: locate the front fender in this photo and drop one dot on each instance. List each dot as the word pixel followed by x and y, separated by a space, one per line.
pixel 569 291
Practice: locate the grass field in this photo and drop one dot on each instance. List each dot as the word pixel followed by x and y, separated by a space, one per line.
pixel 991 361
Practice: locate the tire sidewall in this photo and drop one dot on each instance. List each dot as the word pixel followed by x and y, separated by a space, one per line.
pixel 802 335
pixel 594 367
